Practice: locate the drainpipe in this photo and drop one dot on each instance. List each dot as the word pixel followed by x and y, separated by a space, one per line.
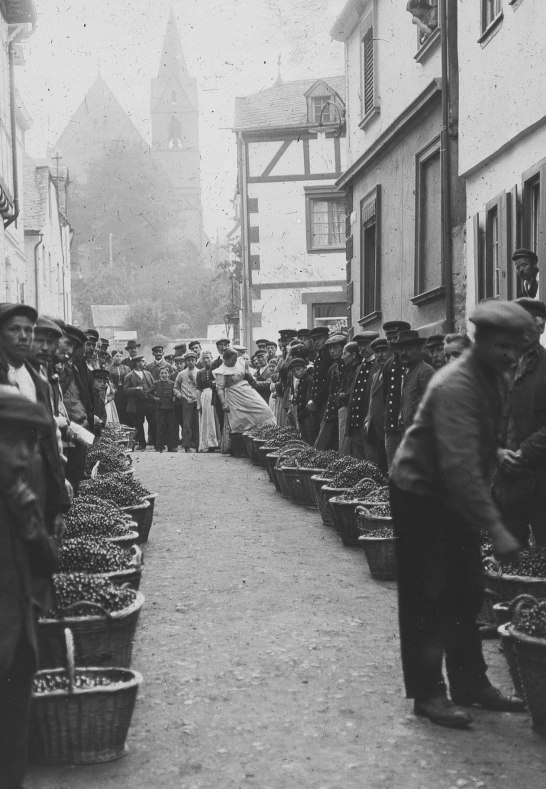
pixel 20 33
pixel 446 20
pixel 245 244
pixel 37 271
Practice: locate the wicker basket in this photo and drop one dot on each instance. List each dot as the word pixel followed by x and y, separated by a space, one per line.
pixel 263 452
pixel 138 513
pixel 505 588
pixel 381 556
pixel 131 576
pixel 291 487
pixel 256 444
pixel 126 541
pixel 531 664
pixel 260 457
pixel 271 459
pixel 369 522
pixel 101 638
pixel 345 522
pixel 83 725
pixel 318 481
pixel 501 614
pixel 327 493
pixel 507 649
pixel 305 475
pixel 147 517
pixel 249 446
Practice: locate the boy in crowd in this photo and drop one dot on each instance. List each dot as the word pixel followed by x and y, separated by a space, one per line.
pixel 163 393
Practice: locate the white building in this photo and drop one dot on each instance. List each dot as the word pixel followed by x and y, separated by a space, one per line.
pixel 290 153
pixel 502 56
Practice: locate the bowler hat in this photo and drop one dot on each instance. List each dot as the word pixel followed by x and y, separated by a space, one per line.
pixel 74 334
pixel 319 331
pixel 297 362
pixel 366 336
pixel 45 325
pixel 502 315
pixel 408 337
pixel 14 407
pixel 92 334
pixel 157 349
pixel 132 344
pixel 8 311
pixel 525 253
pixel 534 306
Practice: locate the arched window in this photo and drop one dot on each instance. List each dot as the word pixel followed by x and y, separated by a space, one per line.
pixel 175 134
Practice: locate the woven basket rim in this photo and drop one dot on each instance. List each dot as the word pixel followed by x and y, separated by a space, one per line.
pixel 365 537
pixel 348 502
pixel 142 505
pixel 330 487
pixel 136 605
pixel 132 534
pixel 524 638
pixel 320 478
pixel 151 496
pixel 520 578
pixel 133 682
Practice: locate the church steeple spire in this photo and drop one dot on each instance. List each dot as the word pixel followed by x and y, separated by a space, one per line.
pixel 172 61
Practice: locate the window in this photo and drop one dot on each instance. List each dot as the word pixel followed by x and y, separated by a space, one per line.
pixel 321 110
pixel 533 196
pixel 491 9
pixel 493 247
pixel 533 212
pixel 175 134
pixel 428 220
pixel 332 314
pixel 369 256
pixel 325 219
pixel 425 17
pixel 492 271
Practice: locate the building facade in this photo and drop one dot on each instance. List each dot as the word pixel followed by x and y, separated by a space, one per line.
pixel 503 140
pixel 290 144
pixel 405 217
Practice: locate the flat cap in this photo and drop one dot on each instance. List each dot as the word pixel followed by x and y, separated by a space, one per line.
pixel 262 342
pixel 190 355
pixel 380 344
pixel 158 348
pixel 179 359
pixel 74 334
pixel 14 407
pixel 336 339
pixel 525 253
pixel 240 348
pixel 396 326
pixel 137 358
pixel 534 306
pixel 222 339
pixel 319 331
pixel 287 334
pixel 503 315
pixel 101 373
pixel 297 362
pixel 92 334
pixel 45 325
pixel 304 332
pixel 366 336
pixel 8 311
pixel 435 340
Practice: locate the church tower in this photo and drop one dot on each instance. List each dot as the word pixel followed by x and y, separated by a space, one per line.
pixel 175 136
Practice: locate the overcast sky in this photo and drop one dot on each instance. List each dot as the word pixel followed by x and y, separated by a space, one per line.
pixel 231 47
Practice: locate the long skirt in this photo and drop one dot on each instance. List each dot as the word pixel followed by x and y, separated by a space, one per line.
pixel 275 404
pixel 246 408
pixel 112 413
pixel 209 428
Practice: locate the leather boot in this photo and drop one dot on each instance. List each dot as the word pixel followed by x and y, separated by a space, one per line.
pixel 443 712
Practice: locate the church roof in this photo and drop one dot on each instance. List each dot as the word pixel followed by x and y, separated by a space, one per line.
pixel 172 60
pixel 282 106
pixel 36 181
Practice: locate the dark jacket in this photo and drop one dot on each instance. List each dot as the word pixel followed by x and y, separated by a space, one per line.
pixel 301 397
pixel 527 408
pixel 346 384
pixel 376 410
pixel 262 383
pixel 393 374
pixel 450 450
pixel 335 375
pixel 319 388
pixel 84 383
pixel 163 393
pixel 360 395
pixel 138 390
pixel 416 379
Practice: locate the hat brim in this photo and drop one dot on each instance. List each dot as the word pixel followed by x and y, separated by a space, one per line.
pixel 408 342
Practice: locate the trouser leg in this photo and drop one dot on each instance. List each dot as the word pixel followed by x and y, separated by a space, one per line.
pixel 357 443
pixel 306 428
pixel 75 465
pixel 15 698
pixel 538 511
pixel 190 425
pixel 328 436
pixel 139 426
pixel 392 441
pixel 160 429
pixel 150 418
pixel 171 436
pixel 195 427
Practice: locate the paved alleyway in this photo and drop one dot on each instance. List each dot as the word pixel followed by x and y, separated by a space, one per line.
pixel 270 658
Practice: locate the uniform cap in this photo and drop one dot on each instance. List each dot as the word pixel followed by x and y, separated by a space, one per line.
pixel 287 334
pixel 262 342
pixel 157 348
pixel 396 326
pixel 7 311
pixel 534 306
pixel 525 253
pixel 92 334
pixel 137 359
pixel 434 340
pixel 271 342
pixel 380 344
pixel 169 356
pixel 502 315
pixel 297 362
pixel 45 325
pixel 304 332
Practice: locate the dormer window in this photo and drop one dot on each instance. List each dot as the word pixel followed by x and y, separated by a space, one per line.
pixel 321 110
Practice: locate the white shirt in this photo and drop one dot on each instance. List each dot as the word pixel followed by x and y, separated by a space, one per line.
pixel 22 379
pixel 140 374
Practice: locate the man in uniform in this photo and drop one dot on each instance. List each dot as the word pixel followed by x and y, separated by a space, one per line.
pixel 358 404
pixel 304 335
pixel 417 374
pixel 90 349
pixel 262 379
pixel 526 263
pixel 271 349
pixel 328 437
pixel 262 344
pixel 374 428
pixel 393 373
pixel 520 485
pixel 104 358
pixel 351 364
pixel 132 351
pixel 441 501
pixel 318 393
pixel 304 418
pixel 283 384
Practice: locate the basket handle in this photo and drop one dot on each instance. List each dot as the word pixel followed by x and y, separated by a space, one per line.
pixel 90 604
pixel 69 641
pixel 492 566
pixel 519 603
pixel 136 560
pixel 364 511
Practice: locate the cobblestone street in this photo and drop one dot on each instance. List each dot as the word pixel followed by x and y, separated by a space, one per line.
pixel 270 658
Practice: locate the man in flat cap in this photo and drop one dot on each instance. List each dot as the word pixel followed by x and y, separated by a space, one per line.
pixel 140 402
pixel 195 347
pixel 90 349
pixel 328 437
pixel 318 393
pixel 520 483
pixel 304 418
pixel 417 374
pixel 433 352
pixel 185 391
pixel 393 375
pixel 271 348
pixel 441 501
pixel 360 397
pixel 158 363
pixel 262 379
pixel 101 379
pixel 526 263
pixel 374 425
pixel 28 557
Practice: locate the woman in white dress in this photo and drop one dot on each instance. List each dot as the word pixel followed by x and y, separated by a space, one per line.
pixel 209 427
pixel 243 407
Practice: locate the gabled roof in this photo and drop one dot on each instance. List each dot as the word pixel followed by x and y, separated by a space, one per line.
pixel 282 106
pixel 114 316
pixel 36 195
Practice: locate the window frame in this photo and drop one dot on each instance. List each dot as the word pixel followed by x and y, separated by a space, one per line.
pixel 312 194
pixel 371 199
pixel 535 175
pixel 489 26
pixel 432 149
pixel 503 207
pixel 368 23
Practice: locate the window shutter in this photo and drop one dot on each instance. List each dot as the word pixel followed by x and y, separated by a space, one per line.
pixel 515 236
pixel 368 66
pixel 505 245
pixel 479 259
pixel 349 248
